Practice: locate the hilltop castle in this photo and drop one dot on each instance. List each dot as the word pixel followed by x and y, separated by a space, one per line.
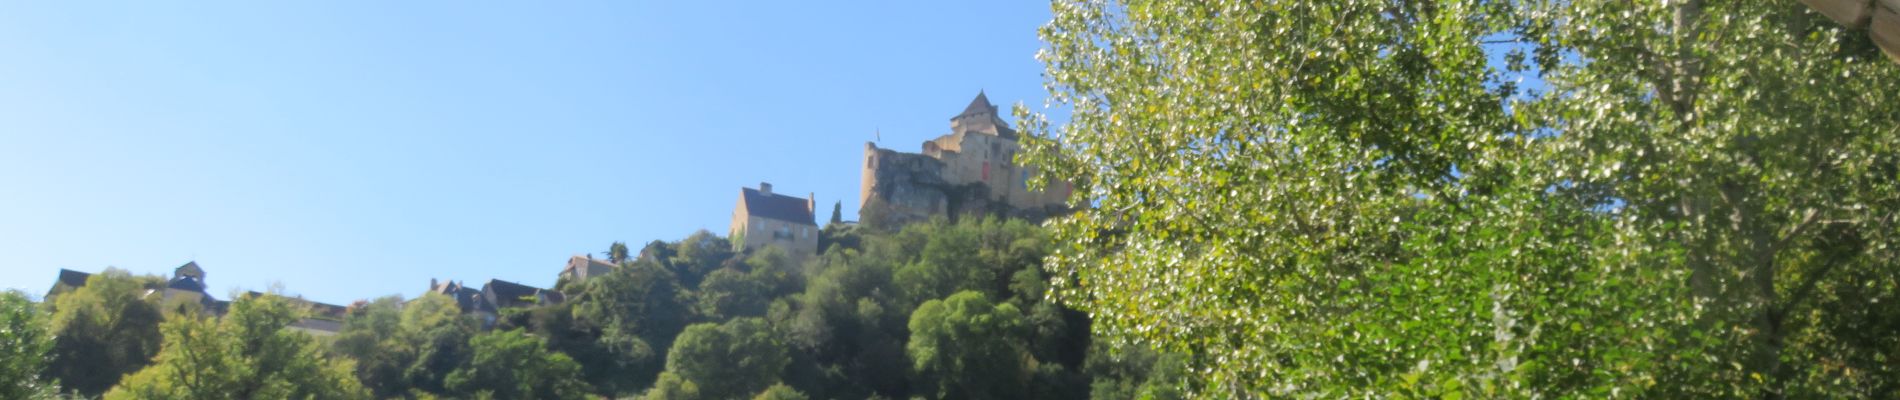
pixel 971 170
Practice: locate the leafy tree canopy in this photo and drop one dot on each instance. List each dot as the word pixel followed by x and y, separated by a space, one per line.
pixel 1353 198
pixel 249 354
pixel 25 346
pixel 966 347
pixel 730 360
pixel 103 330
pixel 512 365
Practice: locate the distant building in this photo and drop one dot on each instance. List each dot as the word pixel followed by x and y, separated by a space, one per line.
pixel 581 267
pixel 971 170
pixel 468 299
pixel 68 281
pixel 763 218
pixel 187 286
pixel 504 295
pixel 322 319
pixel 495 295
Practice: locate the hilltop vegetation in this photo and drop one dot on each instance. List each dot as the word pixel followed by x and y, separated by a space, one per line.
pixel 935 310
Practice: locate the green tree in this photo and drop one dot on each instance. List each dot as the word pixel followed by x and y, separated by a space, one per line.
pixel 837 213
pixel 840 235
pixel 513 365
pixel 635 312
pixel 849 320
pixel 775 271
pixel 671 387
pixel 1134 372
pixel 780 392
pixel 434 340
pixel 728 293
pixel 104 330
pixel 1696 206
pixel 1734 136
pixel 617 253
pixel 699 254
pixel 249 354
pixel 965 347
pixel 25 346
pixel 373 335
pixel 604 370
pixel 657 250
pixel 948 263
pixel 731 360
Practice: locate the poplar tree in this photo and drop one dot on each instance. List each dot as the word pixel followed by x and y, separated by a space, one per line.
pixel 1479 198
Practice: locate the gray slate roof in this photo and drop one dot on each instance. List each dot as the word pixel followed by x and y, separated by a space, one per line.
pixel 777 206
pixel 505 294
pixel 981 104
pixel 73 278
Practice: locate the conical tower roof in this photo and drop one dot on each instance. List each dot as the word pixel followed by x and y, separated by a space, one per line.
pixel 980 104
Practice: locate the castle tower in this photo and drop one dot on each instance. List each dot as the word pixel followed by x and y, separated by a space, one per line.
pixel 981 117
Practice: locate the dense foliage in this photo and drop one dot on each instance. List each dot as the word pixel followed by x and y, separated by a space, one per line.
pixel 512 365
pixel 934 310
pixel 250 353
pixel 879 314
pixel 25 341
pixel 104 330
pixel 1481 198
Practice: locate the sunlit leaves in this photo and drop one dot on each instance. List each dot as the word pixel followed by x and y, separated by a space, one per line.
pixel 1345 198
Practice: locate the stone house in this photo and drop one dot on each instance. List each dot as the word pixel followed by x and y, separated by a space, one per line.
pixel 504 295
pixel 470 300
pixel 763 218
pixel 495 295
pixel 581 267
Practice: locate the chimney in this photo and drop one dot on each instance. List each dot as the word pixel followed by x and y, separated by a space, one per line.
pixel 431 284
pixel 811 203
pixel 765 188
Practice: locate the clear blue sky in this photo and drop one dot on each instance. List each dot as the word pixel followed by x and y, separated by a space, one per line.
pixel 353 149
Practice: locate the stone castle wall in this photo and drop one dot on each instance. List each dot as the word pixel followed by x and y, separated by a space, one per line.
pixel 971 170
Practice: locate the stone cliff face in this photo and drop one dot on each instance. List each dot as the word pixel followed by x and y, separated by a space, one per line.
pixel 900 188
